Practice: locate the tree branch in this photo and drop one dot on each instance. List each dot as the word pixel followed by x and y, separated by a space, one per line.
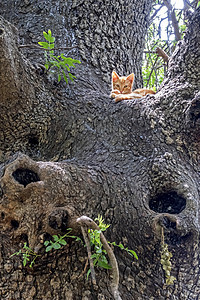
pixel 163 54
pixel 155 13
pixel 174 20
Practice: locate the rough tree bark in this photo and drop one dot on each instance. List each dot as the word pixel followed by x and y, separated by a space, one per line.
pixel 68 152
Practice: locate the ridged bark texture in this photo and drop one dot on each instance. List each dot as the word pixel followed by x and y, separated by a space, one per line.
pixel 71 151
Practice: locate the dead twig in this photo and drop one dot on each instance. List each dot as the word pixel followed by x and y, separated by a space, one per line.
pixel 87 242
pixel 84 270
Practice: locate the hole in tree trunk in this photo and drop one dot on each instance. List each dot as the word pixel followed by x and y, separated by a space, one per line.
pixel 14 224
pixel 169 202
pixel 25 176
pixel 33 141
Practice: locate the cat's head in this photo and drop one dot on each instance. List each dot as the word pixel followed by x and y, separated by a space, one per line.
pixel 122 84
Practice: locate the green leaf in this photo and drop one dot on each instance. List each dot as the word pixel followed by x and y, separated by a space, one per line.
pixel 70 61
pixel 45 45
pixel 49 248
pixel 25 260
pixel 46 66
pixel 46 35
pixel 88 273
pixel 56 246
pixel 51 46
pixel 114 244
pixel 16 253
pixel 55 237
pixel 121 246
pixel 99 251
pixel 71 77
pixel 66 66
pixel 78 240
pixel 46 243
pixel 65 77
pixel 104 265
pixel 76 61
pixel 133 253
pixel 63 242
pixel 54 63
pixel 31 264
pixel 59 77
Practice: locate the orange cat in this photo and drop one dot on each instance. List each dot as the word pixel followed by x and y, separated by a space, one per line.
pixel 122 88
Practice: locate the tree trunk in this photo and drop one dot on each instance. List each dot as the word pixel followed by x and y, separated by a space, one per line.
pixel 71 151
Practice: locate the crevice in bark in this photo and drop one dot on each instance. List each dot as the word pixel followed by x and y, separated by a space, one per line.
pixel 59 220
pixel 194 112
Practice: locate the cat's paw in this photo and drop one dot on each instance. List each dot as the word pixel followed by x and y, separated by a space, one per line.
pixel 119 98
pixel 114 93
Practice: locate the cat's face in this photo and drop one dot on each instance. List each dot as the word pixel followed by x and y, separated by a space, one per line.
pixel 122 84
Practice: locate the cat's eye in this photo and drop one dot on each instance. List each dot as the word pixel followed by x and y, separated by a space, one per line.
pixel 125 86
pixel 117 86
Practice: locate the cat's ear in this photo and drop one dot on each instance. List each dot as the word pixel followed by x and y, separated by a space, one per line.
pixel 114 76
pixel 130 78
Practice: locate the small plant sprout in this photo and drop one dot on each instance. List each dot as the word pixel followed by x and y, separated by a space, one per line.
pixel 28 255
pixel 59 241
pixel 59 64
pixel 99 255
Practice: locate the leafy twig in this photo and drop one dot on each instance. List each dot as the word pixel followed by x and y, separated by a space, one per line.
pixel 27 254
pixel 83 220
pixel 60 63
pixel 59 241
